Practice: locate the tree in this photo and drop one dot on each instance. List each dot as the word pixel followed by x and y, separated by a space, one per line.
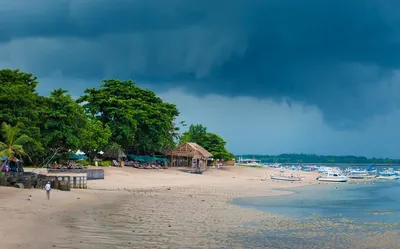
pixel 20 104
pixel 65 122
pixel 13 142
pixel 195 134
pixel 139 120
pixel 216 146
pixel 95 137
pixel 213 143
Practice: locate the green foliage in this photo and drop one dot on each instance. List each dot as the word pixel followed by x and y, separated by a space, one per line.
pixel 95 137
pixel 113 150
pixel 104 163
pixel 117 116
pixel 139 120
pixel 13 142
pixel 65 122
pixel 20 104
pixel 312 158
pixel 213 143
pixel 84 163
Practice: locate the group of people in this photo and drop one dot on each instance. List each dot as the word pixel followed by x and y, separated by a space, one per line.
pixel 11 166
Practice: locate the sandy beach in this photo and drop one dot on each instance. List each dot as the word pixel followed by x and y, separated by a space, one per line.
pixel 161 208
pixel 136 208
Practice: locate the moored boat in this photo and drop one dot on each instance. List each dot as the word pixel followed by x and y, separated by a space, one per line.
pixel 333 177
pixel 387 175
pixel 358 174
pixel 285 178
pixel 249 162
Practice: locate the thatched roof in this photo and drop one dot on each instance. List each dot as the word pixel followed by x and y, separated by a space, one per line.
pixel 114 154
pixel 190 150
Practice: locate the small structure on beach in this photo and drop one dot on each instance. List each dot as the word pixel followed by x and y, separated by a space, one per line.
pixel 189 155
pixel 117 155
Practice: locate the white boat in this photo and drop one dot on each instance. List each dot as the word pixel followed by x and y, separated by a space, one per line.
pixel 249 162
pixel 358 174
pixel 387 175
pixel 333 177
pixel 285 178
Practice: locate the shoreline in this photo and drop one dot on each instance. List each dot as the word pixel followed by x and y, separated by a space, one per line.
pixel 140 208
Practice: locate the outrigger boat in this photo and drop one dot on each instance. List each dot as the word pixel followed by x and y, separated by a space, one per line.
pixel 285 178
pixel 388 175
pixel 356 174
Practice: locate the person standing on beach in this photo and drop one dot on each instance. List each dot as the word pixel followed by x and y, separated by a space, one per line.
pixel 48 189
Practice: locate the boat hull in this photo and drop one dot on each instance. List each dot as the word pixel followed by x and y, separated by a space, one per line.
pixel 361 177
pixel 387 178
pixel 324 179
pixel 277 178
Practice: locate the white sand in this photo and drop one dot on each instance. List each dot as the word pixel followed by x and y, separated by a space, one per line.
pixel 138 208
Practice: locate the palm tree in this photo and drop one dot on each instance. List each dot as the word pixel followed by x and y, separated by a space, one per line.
pixel 12 147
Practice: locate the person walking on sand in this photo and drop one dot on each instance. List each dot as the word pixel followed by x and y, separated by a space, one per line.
pixel 48 189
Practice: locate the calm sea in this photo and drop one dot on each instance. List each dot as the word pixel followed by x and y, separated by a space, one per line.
pixel 342 215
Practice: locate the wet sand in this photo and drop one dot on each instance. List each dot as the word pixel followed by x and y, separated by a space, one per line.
pixel 135 208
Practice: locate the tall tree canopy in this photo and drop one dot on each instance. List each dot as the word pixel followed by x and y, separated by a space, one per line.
pixel 117 114
pixel 95 137
pixel 197 133
pixel 139 120
pixel 20 104
pixel 65 122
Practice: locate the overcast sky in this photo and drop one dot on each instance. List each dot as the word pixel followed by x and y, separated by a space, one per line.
pixel 269 76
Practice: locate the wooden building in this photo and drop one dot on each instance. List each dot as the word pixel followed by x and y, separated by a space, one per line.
pixel 189 155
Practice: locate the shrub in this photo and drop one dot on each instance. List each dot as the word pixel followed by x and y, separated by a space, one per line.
pixel 85 163
pixel 105 163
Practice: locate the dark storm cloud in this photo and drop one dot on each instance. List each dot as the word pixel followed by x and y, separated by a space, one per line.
pixel 332 54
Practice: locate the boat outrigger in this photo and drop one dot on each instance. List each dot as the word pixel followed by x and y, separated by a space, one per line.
pixel 358 174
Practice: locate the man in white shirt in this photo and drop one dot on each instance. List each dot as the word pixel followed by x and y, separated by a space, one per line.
pixel 48 189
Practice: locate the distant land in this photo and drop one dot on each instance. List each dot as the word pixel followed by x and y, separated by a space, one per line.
pixel 312 158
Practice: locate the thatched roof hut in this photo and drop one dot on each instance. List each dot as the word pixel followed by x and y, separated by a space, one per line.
pixel 191 150
pixel 189 155
pixel 114 154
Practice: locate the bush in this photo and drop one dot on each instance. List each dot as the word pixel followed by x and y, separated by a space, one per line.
pixel 105 163
pixel 85 163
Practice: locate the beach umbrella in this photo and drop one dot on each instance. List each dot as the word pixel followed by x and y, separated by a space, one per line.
pixel 79 152
pixel 77 157
pixel 147 159
pixel 74 157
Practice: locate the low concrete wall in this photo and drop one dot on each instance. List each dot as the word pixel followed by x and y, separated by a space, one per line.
pixel 66 171
pixel 95 174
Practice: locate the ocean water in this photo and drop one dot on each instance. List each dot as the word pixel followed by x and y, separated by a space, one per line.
pixel 331 216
